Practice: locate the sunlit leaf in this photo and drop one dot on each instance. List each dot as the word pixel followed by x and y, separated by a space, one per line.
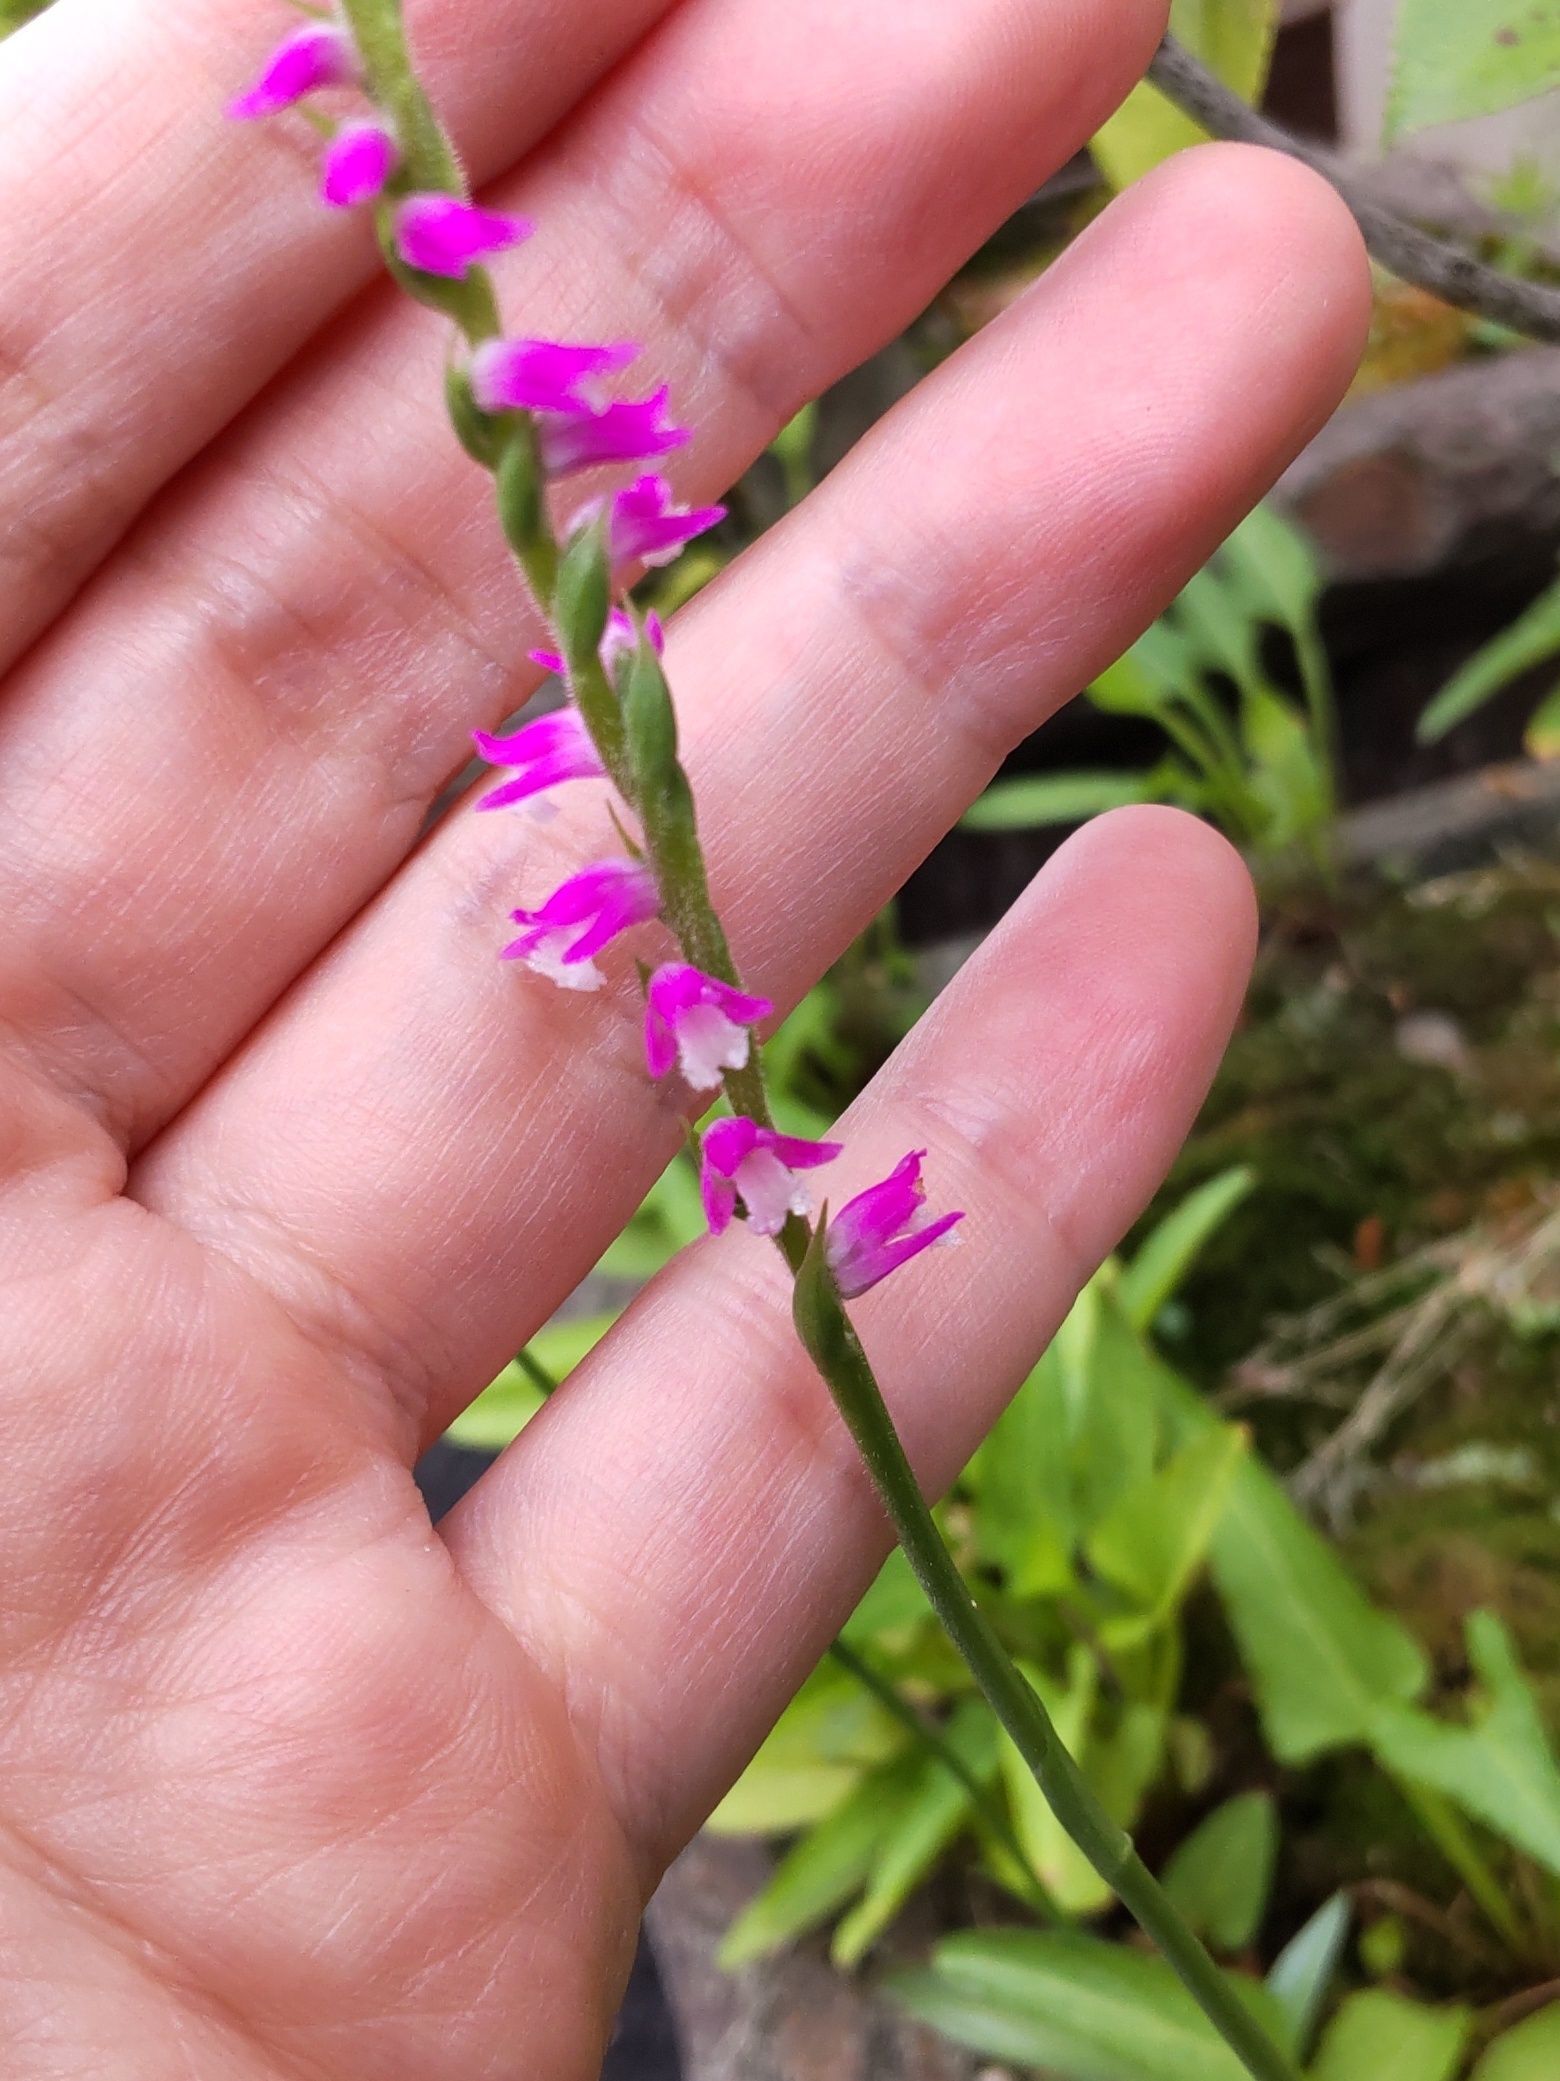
pixel 830 1735
pixel 1157 1533
pixel 1500 1768
pixel 1032 801
pixel 1221 1875
pixel 1169 1251
pixel 1234 38
pixel 1457 58
pixel 1529 2051
pixel 1075 2007
pixel 1533 639
pixel 1386 2037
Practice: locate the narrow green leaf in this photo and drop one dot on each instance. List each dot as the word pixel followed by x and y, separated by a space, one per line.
pixel 1234 38
pixel 1035 800
pixel 933 1814
pixel 1023 1511
pixel 827 1866
pixel 830 1735
pixel 1380 2036
pixel 1531 640
pixel 1459 58
pixel 1529 2051
pixel 1301 1977
pixel 1111 1394
pixel 1274 568
pixel 1169 1252
pixel 1156 1535
pixel 1501 1768
pixel 499 1414
pixel 1220 1877
pixel 1541 738
pixel 1078 2008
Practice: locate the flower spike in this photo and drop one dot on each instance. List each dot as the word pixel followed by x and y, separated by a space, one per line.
pixel 753 1163
pixel 649 527
pixel 623 432
pixel 358 163
pixel 699 1023
pixel 552 749
pixel 441 235
pixel 606 900
pixel 620 641
pixel 318 55
pixel 544 375
pixel 872 1235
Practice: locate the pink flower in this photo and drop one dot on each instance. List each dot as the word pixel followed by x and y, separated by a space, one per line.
pixel 694 1020
pixel 544 376
pixel 358 162
pixel 623 432
pixel 554 748
pixel 619 640
pixel 742 1159
pixel 649 527
pixel 606 899
pixel 872 1236
pixel 441 235
pixel 319 55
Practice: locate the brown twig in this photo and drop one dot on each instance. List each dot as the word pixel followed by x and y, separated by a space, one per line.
pixel 1450 272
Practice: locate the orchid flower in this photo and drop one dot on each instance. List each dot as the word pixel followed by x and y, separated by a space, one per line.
pixel 441 235
pixel 872 1234
pixel 742 1160
pixel 606 900
pixel 315 56
pixel 697 1022
pixel 358 163
pixel 649 527
pixel 620 639
pixel 543 753
pixel 544 375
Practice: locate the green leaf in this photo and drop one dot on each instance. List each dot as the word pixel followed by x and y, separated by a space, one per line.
pixel 1168 1253
pixel 1272 566
pixel 1541 738
pixel 1321 1658
pixel 1501 1768
pixel 1234 38
pixel 499 1414
pixel 895 1602
pixel 1080 2009
pixel 830 1734
pixel 1035 800
pixel 1388 2038
pixel 1458 58
pixel 1111 1395
pixel 1531 640
pixel 826 1867
pixel 1301 1977
pixel 1023 1511
pixel 1156 1535
pixel 933 1814
pixel 1529 2051
pixel 1221 1876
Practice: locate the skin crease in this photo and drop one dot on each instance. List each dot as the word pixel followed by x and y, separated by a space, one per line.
pixel 292 1787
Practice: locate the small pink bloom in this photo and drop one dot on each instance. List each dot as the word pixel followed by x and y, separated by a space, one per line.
pixel 649 527
pixel 742 1159
pixel 554 748
pixel 544 375
pixel 693 1020
pixel 619 640
pixel 872 1235
pixel 441 235
pixel 358 162
pixel 605 900
pixel 623 432
pixel 319 55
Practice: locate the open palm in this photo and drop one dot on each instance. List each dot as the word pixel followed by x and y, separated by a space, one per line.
pixel 290 1784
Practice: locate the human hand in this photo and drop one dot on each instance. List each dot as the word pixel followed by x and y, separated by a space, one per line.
pixel 291 1785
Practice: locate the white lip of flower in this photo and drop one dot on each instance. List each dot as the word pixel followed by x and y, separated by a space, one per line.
pixel 708 1043
pixel 546 959
pixel 770 1192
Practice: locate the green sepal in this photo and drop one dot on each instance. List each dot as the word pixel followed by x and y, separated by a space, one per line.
pixel 520 495
pixel 476 430
pixel 818 1311
pixel 583 600
pixel 650 721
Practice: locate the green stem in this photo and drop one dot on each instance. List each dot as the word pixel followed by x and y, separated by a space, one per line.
pixel 837 1352
pixel 665 804
pixel 929 1736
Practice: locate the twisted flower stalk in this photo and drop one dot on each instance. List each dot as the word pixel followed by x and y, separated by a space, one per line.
pixel 533 413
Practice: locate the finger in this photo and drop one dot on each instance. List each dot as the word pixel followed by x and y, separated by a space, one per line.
pixel 235 740
pixel 161 264
pixel 689 1525
pixel 425 1150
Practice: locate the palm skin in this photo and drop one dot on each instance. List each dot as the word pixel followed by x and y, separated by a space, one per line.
pixel 291 1784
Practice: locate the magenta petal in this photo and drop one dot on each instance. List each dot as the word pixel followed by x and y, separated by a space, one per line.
pixel 358 163
pixel 441 235
pixel 544 375
pixel 626 431
pixel 317 56
pixel 549 660
pixel 799 1155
